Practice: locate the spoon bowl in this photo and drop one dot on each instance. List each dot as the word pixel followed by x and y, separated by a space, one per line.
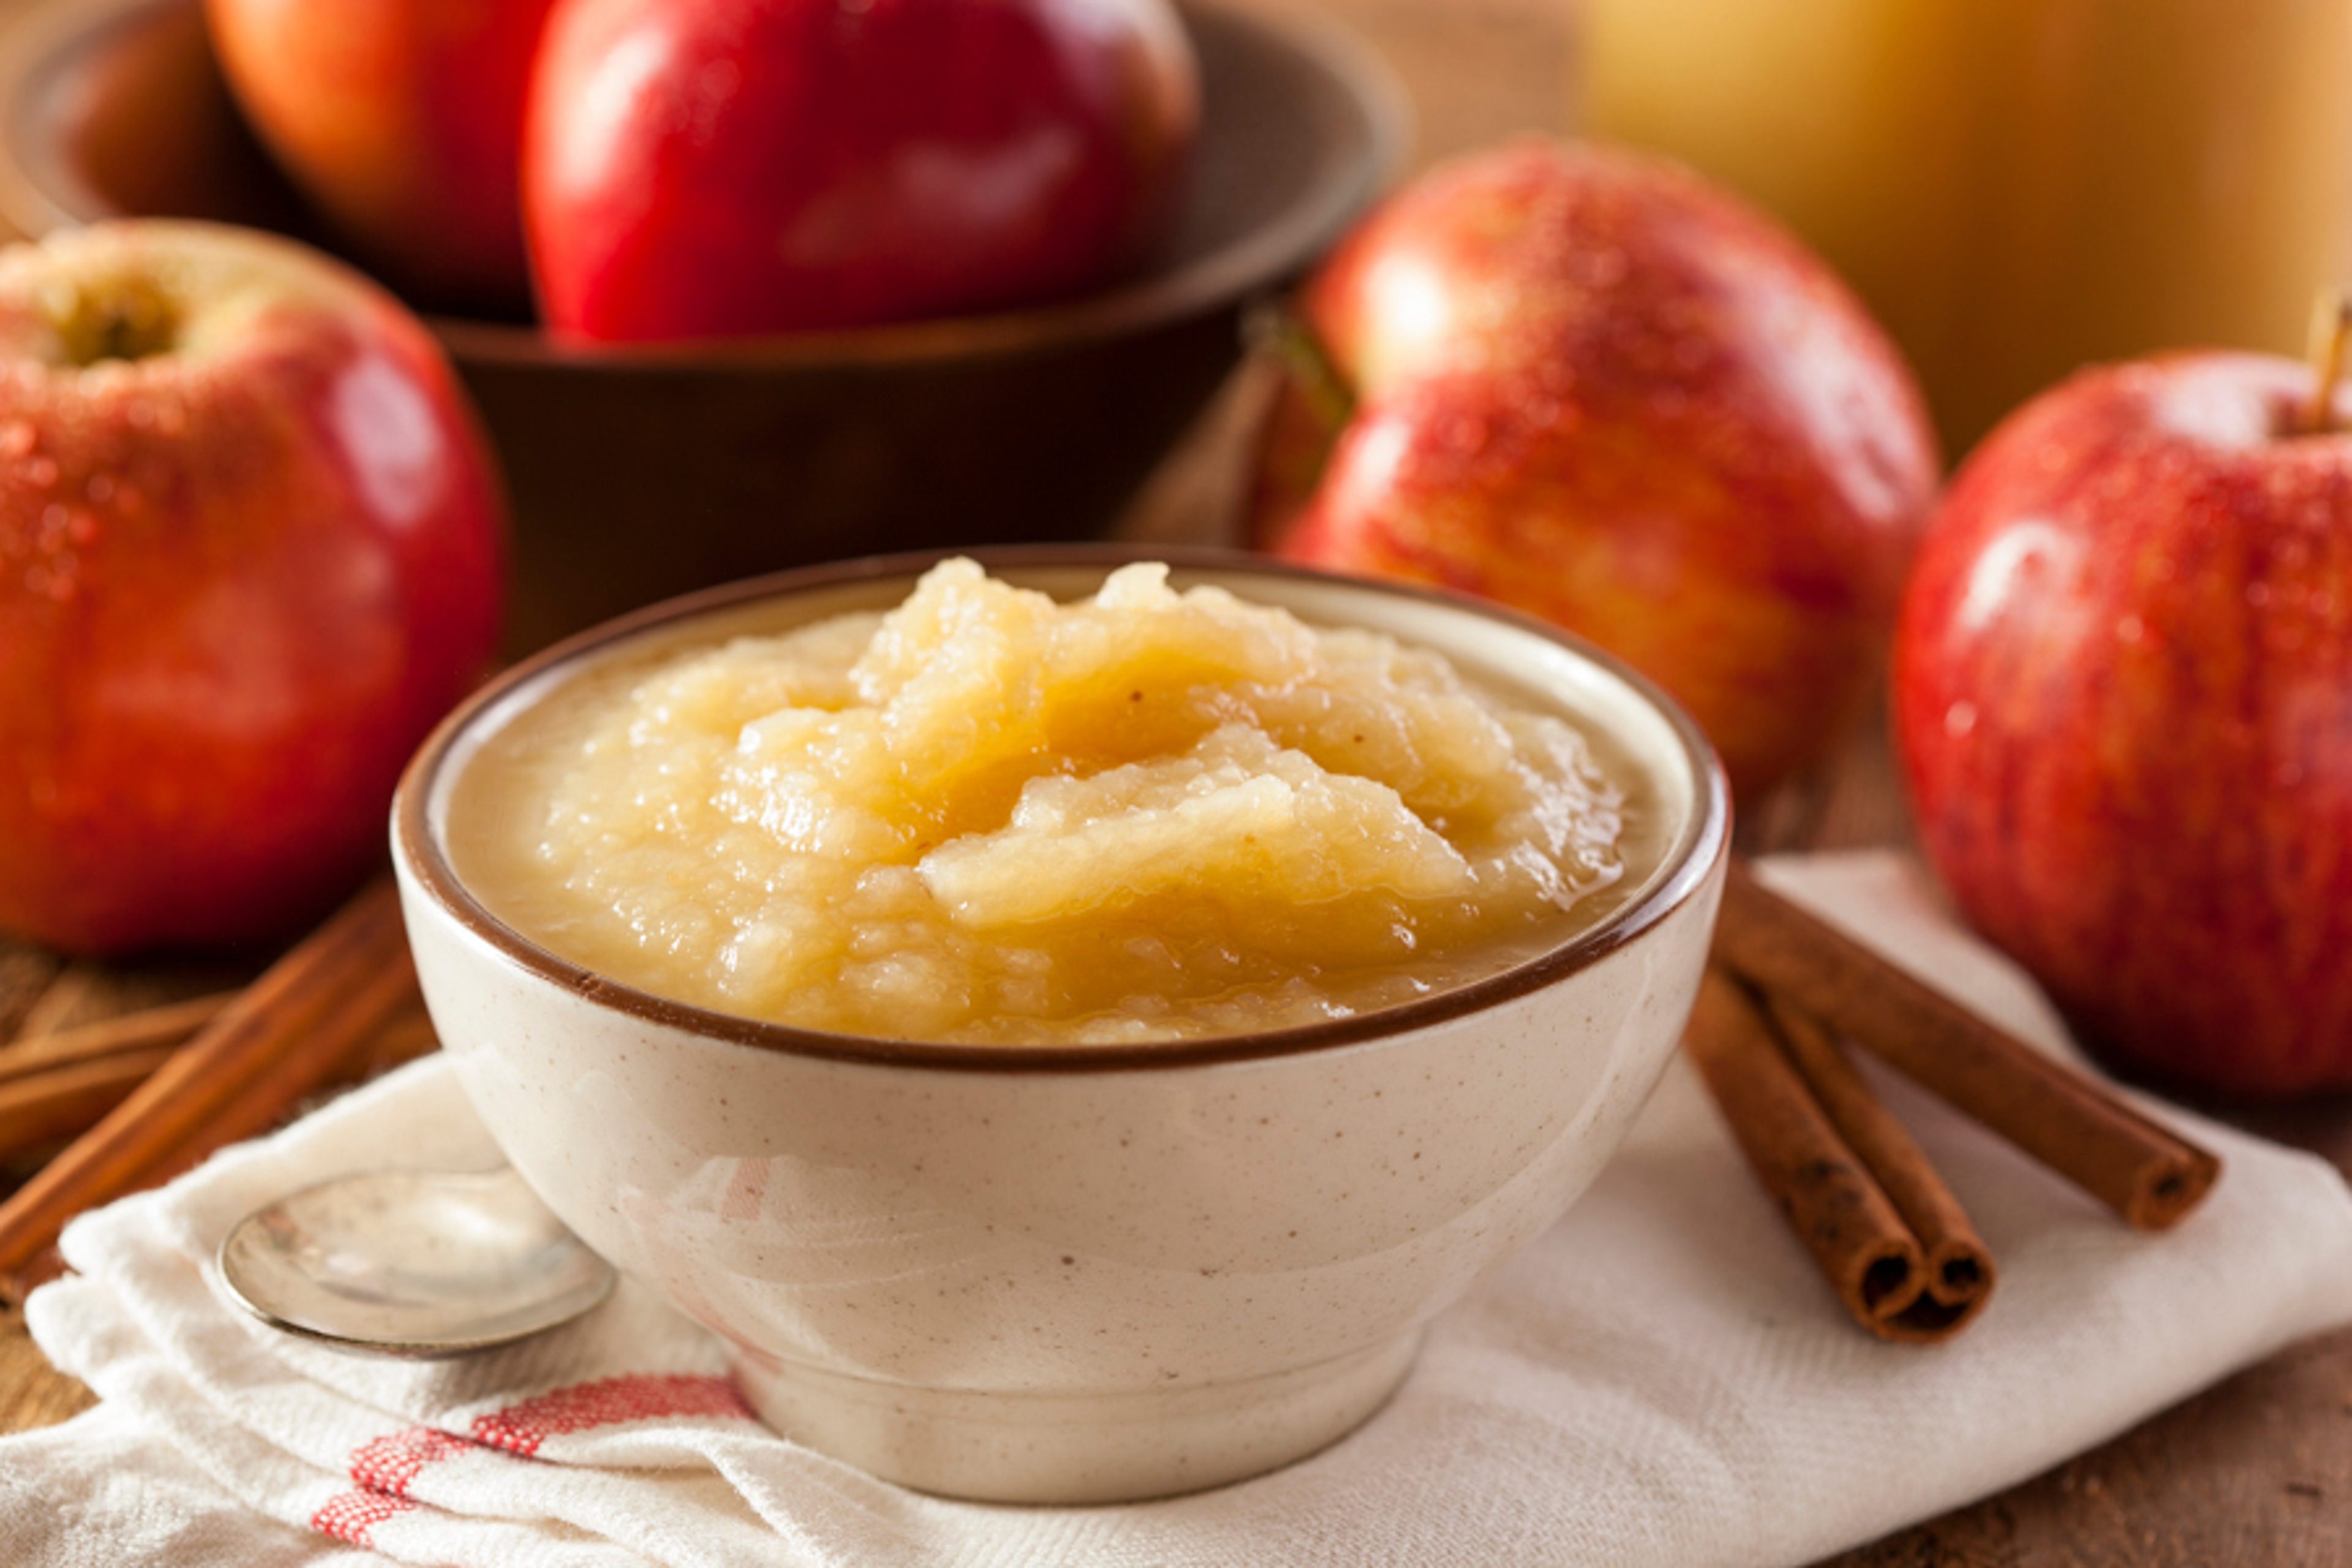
pixel 411 1263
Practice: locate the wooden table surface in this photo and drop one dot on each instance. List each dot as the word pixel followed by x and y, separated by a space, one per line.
pixel 2257 1471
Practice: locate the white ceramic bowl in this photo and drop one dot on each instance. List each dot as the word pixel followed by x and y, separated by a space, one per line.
pixel 1083 1275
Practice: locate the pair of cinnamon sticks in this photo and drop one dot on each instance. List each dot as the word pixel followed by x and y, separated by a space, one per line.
pixel 238 1064
pixel 56 1084
pixel 1782 991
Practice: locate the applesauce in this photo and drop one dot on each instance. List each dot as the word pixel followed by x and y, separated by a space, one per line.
pixel 987 816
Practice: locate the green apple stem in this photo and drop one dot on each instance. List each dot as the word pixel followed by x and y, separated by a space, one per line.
pixel 2331 324
pixel 1276 331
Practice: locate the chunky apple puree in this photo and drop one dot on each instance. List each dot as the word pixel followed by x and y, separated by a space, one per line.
pixel 985 817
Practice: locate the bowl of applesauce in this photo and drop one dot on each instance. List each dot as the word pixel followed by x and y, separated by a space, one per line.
pixel 1065 1017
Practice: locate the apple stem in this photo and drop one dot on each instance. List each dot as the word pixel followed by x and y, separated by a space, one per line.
pixel 1274 330
pixel 2331 324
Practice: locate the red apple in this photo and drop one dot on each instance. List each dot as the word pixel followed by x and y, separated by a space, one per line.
pixel 706 168
pixel 2123 700
pixel 402 120
pixel 250 548
pixel 1590 386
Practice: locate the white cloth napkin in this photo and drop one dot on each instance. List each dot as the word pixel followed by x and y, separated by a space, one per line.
pixel 1661 1379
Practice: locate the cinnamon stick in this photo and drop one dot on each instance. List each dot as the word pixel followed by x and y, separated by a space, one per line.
pixel 281 1037
pixel 2069 1122
pixel 407 1035
pixel 63 1098
pixel 1957 1272
pixel 31 1055
pixel 56 1084
pixel 1827 1191
pixel 25 973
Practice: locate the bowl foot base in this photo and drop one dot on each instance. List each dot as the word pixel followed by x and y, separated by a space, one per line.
pixel 1033 1447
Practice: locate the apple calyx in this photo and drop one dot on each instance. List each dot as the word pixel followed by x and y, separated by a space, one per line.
pixel 1276 331
pixel 128 322
pixel 2331 325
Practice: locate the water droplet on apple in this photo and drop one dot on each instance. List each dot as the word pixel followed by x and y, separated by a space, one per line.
pixel 2131 629
pixel 83 530
pixel 1959 719
pixel 101 489
pixel 2258 595
pixel 41 471
pixel 18 439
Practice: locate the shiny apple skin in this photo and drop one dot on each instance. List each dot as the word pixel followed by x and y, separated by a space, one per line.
pixel 2122 701
pixel 1595 388
pixel 717 168
pixel 402 122
pixel 240 578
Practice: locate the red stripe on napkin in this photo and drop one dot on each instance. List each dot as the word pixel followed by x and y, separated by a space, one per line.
pixel 384 1467
pixel 388 1464
pixel 352 1517
pixel 609 1402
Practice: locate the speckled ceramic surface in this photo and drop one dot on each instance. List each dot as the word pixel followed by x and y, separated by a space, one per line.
pixel 1086 1275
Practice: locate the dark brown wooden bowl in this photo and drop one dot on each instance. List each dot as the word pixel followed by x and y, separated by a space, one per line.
pixel 638 473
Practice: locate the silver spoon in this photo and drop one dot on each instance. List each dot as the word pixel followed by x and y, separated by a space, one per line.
pixel 413 1263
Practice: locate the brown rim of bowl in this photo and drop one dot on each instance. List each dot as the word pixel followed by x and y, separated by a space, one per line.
pixel 39 41
pixel 1704 839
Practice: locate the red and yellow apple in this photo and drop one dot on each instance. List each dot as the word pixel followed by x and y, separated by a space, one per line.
pixel 1586 384
pixel 709 168
pixel 250 551
pixel 402 122
pixel 2123 701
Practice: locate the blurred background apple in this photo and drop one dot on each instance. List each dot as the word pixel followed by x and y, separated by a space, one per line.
pixel 401 121
pixel 638 471
pixel 2123 701
pixel 709 168
pixel 1589 385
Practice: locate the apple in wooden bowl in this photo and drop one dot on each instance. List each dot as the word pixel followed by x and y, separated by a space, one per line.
pixel 641 470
